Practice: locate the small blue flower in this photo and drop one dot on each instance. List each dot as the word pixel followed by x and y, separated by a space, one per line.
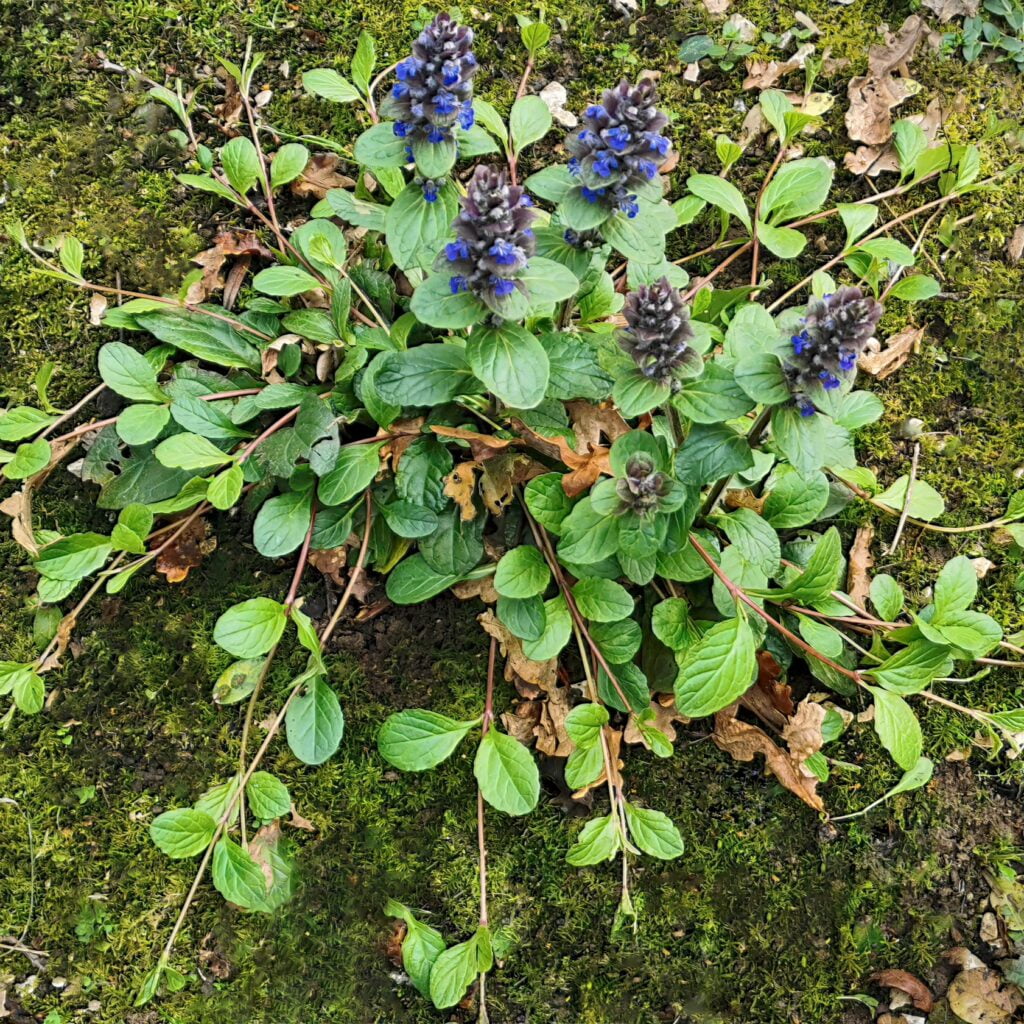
pixel 657 142
pixel 467 117
pixel 604 163
pixel 596 112
pixel 527 232
pixel 591 194
pixel 450 72
pixel 629 206
pixel 801 342
pixel 805 407
pixel 847 360
pixel 408 152
pixel 829 380
pixel 435 136
pixel 408 68
pixel 504 252
pixel 458 250
pixel 502 286
pixel 445 103
pixel 525 200
pixel 399 89
pixel 430 191
pixel 457 284
pixel 587 137
pixel 401 129
pixel 617 138
pixel 574 166
pixel 647 169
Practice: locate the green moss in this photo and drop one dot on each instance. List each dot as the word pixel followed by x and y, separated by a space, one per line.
pixel 767 917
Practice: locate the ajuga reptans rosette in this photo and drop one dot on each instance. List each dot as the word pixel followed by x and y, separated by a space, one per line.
pixel 644 487
pixel 493 240
pixel 618 151
pixel 658 334
pixel 434 91
pixel 835 331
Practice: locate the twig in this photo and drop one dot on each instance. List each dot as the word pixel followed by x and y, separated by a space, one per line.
pixel 906 501
pixel 356 572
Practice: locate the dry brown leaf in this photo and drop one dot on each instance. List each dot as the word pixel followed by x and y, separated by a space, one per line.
pixel 717 6
pixel 541 674
pixel 947 10
pixel 584 469
pixel 744 741
pixel 904 982
pixel 331 562
pixel 296 820
pixel 482 446
pixel 873 96
pixel 858 582
pixel 976 996
pixel 769 680
pixel 187 551
pixel 1015 247
pixel 262 845
pixel 242 244
pixel 745 498
pixel 97 307
pixel 319 177
pixel 502 475
pixel 483 588
pixel 897 351
pixel 590 421
pixel 802 732
pixel 874 160
pixel 460 485
pixel 552 738
pixel 62 638
pixel 765 74
pixel 229 110
pixel 19 507
pixel 665 717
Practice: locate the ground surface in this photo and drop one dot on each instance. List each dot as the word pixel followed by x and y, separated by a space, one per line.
pixel 768 917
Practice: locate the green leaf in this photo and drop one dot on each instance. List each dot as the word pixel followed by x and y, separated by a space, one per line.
pixel 640 238
pixel 547 501
pixel 140 424
pixel 241 163
pixel 574 210
pixel 420 949
pixel 206 183
pixel 673 625
pixel 354 471
pixel 557 630
pixel 654 832
pixel 282 523
pixel 288 163
pixel 189 451
pixel 416 229
pixel 237 877
pixel 414 741
pixel 587 535
pixel 22 421
pixel 754 539
pixel 364 61
pixel 522 572
pixel 916 288
pixel 886 596
pixel 751 332
pixel 897 727
pixel 799 188
pixel 721 193
pixel 857 218
pixel 71 255
pixel 717 670
pixel 268 796
pixel 548 282
pixel 584 766
pixel 584 724
pixel 712 452
pixel 183 832
pixel 925 502
pixel 425 375
pixel 217 799
pixel 378 146
pixel 506 773
pixel 913 668
pixel 786 243
pixel 801 439
pixel 329 85
pixel 599 840
pixel 204 418
pixel 28 692
pixel 238 680
pixel 888 250
pixel 524 617
pixel 552 183
pixel 226 487
pixel 602 600
pixel 713 397
pixel 353 210
pixel 511 362
pixel 636 693
pixel 74 557
pixel 970 631
pixel 283 281
pixel 956 587
pixel 410 520
pixel 435 304
pixel 456 545
pixel 635 394
pixel 129 373
pixel 859 408
pixel 250 628
pixel 529 121
pixel 203 337
pixel 821 577
pixel 412 581
pixel 314 723
pixel 795 498
pixel 762 378
pixel 29 458
pixel 434 159
pixel 453 972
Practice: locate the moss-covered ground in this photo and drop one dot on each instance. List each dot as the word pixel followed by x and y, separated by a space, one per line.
pixel 768 917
